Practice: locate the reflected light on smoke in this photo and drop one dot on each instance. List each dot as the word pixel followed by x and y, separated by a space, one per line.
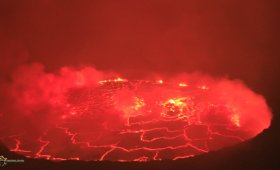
pixel 80 114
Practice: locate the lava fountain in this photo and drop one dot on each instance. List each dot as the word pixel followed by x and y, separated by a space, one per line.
pixel 79 115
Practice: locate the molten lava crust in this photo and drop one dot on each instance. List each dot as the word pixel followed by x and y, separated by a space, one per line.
pixel 122 120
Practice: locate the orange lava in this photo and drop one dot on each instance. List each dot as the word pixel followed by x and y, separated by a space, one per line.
pixel 73 117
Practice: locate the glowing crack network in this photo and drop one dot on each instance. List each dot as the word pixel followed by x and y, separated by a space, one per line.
pixel 139 120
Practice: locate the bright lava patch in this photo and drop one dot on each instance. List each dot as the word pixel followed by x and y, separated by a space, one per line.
pixel 123 120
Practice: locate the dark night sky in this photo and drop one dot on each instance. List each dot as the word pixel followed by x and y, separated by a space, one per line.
pixel 235 38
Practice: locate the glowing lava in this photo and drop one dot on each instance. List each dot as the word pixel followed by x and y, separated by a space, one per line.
pixel 123 120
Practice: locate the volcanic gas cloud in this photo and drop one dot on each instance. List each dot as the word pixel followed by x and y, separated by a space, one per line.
pixel 85 114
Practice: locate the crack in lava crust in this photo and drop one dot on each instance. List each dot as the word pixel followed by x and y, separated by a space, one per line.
pixel 122 120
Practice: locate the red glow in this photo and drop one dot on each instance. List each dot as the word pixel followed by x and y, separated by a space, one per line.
pixel 78 115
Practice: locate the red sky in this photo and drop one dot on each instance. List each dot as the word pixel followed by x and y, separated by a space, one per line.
pixel 235 38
